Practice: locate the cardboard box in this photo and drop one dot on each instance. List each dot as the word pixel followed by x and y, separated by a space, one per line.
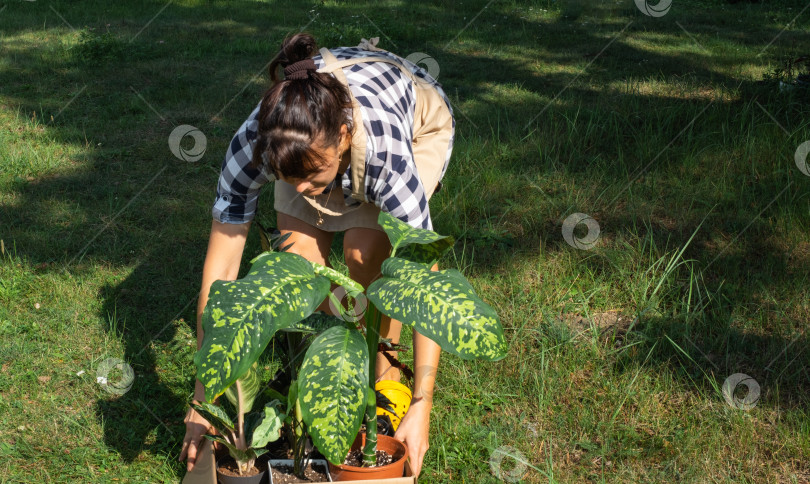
pixel 205 471
pixel 406 479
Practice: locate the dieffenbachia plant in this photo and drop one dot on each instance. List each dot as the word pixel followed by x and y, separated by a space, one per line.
pixel 246 438
pixel 336 380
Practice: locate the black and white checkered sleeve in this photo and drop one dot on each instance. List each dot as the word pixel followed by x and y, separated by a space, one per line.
pixel 239 183
pixel 402 194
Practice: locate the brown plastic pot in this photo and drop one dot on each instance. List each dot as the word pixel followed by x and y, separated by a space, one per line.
pixel 394 447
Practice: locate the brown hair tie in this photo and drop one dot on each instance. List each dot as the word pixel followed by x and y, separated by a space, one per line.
pixel 300 69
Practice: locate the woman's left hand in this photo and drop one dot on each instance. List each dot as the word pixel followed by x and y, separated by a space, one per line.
pixel 413 430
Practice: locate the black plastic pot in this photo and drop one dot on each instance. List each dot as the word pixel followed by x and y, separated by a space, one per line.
pixel 260 478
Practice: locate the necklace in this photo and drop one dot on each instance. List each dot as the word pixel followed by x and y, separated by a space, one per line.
pixel 319 222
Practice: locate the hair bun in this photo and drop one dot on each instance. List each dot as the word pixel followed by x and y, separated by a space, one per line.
pixel 300 69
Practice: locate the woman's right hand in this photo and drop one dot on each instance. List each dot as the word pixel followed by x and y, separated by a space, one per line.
pixel 196 427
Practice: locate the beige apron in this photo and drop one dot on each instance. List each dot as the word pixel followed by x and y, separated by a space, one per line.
pixel 432 130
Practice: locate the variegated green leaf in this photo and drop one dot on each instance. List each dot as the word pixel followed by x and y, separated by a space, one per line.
pixel 425 246
pixel 251 387
pixel 241 316
pixel 265 426
pixel 441 305
pixel 427 254
pixel 315 323
pixel 216 416
pixel 264 237
pixel 271 238
pixel 352 288
pixel 272 394
pixel 239 455
pixel 332 390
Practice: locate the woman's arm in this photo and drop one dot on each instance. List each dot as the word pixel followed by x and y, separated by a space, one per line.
pixel 414 428
pixel 225 247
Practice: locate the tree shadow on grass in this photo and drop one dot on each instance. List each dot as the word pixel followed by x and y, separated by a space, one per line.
pixel 719 317
pixel 705 354
pixel 736 307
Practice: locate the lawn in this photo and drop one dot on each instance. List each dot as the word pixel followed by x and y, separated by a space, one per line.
pixel 669 133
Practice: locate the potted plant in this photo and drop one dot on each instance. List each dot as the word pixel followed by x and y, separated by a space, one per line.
pixel 245 439
pixel 293 343
pixel 335 385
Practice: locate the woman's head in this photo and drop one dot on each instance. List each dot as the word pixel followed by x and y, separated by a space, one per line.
pixel 303 121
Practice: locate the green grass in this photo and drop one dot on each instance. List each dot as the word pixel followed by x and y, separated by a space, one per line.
pixel 666 138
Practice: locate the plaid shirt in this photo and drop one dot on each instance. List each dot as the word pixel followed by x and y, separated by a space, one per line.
pixel 387 98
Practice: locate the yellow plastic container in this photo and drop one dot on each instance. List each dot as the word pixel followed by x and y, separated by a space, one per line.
pixel 400 397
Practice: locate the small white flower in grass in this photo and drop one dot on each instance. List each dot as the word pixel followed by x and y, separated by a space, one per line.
pixel 121 386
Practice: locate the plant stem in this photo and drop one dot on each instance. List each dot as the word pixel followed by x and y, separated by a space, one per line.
pixel 240 424
pixel 373 319
pixel 300 442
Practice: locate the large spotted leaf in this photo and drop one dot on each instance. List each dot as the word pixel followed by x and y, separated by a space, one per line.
pixel 418 245
pixel 242 316
pixel 332 390
pixel 441 305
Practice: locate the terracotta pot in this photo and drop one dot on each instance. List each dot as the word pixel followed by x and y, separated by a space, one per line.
pixel 397 449
pixel 260 478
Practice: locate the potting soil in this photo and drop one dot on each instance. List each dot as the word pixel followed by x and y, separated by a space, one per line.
pixel 312 473
pixel 355 458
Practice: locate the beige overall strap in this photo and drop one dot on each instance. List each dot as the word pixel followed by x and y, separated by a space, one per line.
pixel 359 138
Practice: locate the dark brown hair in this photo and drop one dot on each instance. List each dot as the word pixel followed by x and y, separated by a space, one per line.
pixel 295 113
